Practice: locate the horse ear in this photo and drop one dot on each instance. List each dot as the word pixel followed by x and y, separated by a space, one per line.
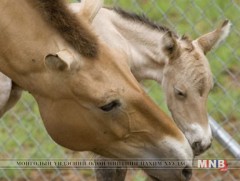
pixel 214 38
pixel 60 61
pixel 170 44
pixel 90 8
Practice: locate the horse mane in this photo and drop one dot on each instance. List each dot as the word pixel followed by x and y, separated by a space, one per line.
pixel 73 31
pixel 147 22
pixel 143 20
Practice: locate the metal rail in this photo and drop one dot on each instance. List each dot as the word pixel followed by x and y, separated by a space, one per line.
pixel 224 138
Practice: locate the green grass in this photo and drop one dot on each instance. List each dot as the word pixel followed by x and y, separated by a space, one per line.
pixel 22 134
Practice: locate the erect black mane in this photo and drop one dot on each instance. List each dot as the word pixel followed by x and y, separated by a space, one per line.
pixel 56 13
pixel 143 20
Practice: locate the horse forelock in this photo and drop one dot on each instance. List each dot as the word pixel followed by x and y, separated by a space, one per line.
pixel 72 30
pixel 186 43
pixel 196 72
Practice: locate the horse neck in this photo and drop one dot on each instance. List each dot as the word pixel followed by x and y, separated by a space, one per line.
pixel 24 41
pixel 141 43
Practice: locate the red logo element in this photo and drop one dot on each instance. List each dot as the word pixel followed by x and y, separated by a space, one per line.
pixel 225 168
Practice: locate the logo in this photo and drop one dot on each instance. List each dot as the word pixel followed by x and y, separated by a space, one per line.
pixel 214 164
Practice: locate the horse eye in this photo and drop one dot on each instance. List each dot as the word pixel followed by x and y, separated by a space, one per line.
pixel 110 106
pixel 170 48
pixel 180 93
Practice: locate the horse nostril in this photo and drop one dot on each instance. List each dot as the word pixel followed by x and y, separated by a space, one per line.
pixel 187 173
pixel 196 146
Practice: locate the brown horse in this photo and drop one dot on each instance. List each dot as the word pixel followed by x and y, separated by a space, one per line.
pixel 87 99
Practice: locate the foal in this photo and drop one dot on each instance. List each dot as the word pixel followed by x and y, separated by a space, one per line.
pixel 179 64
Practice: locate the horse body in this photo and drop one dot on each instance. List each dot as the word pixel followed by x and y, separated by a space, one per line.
pixel 87 99
pixel 6 87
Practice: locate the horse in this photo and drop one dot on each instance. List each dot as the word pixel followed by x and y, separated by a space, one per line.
pixel 178 64
pixel 87 100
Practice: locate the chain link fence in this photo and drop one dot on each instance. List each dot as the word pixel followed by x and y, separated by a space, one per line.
pixel 23 135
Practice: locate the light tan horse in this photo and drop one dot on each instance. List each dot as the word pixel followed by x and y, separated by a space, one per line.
pixel 177 63
pixel 87 99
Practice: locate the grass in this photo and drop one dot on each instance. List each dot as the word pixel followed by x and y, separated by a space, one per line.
pixel 22 134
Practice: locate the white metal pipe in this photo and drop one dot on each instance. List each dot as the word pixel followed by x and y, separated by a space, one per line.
pixel 224 138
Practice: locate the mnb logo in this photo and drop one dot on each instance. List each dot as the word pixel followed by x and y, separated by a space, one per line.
pixel 221 164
